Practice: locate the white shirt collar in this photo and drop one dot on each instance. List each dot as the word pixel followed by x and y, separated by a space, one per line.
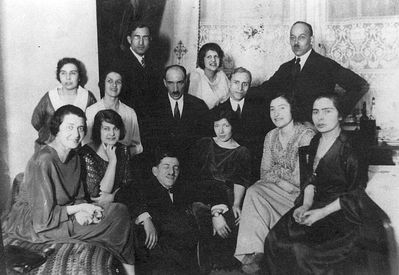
pixel 173 103
pixel 234 104
pixel 139 57
pixel 303 58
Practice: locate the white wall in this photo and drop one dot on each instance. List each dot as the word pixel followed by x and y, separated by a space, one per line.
pixel 35 34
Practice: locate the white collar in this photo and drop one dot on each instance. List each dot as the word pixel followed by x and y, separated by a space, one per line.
pixel 80 100
pixel 179 104
pixel 234 104
pixel 303 58
pixel 139 57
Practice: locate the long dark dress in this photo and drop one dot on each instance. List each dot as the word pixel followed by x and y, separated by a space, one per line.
pixel 214 171
pixel 39 214
pixel 329 245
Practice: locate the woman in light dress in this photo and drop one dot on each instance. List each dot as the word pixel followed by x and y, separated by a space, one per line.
pixel 274 194
pixel 70 75
pixel 208 82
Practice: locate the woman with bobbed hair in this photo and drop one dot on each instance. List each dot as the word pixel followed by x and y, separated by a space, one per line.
pixel 111 83
pixel 70 74
pixel 208 82
pixel 274 194
pixel 220 172
pixel 51 205
pixel 321 234
pixel 107 172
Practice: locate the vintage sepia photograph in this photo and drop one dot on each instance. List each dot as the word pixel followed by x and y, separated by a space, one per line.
pixel 199 137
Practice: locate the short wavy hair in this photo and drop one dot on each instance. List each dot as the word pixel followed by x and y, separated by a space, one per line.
pixel 109 116
pixel 209 47
pixel 291 101
pixel 74 61
pixel 59 115
pixel 229 115
pixel 103 77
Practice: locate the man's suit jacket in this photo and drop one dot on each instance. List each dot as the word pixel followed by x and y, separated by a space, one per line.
pixel 140 85
pixel 319 75
pixel 178 134
pixel 254 124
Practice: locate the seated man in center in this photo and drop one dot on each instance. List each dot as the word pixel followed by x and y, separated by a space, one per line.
pixel 173 250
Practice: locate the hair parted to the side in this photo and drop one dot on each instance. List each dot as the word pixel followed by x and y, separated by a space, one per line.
pixel 59 115
pixel 291 101
pixel 229 115
pixel 109 116
pixel 74 61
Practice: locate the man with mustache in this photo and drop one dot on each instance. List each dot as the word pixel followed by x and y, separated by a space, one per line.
pixel 179 119
pixel 310 74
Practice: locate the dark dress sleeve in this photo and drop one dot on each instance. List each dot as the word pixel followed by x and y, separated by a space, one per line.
pixel 91 99
pixel 39 113
pixel 356 175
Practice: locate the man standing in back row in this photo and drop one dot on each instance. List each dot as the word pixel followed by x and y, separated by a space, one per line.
pixel 310 74
pixel 142 78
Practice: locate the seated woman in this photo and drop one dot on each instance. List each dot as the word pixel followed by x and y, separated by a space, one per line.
pixel 208 82
pixel 107 174
pixel 319 234
pixel 274 194
pixel 70 75
pixel 221 170
pixel 51 205
pixel 111 86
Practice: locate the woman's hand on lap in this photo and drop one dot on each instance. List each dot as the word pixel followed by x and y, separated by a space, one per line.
pixel 83 218
pixel 90 208
pixel 299 212
pixel 220 226
pixel 312 216
pixel 237 213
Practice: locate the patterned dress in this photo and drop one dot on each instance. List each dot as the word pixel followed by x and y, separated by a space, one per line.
pixel 94 168
pixel 274 194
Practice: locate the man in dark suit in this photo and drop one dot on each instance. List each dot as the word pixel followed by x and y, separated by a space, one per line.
pixel 310 74
pixel 173 251
pixel 253 114
pixel 142 77
pixel 179 118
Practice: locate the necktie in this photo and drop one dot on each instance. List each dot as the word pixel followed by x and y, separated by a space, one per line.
pixel 176 112
pixel 238 111
pixel 296 69
pixel 142 61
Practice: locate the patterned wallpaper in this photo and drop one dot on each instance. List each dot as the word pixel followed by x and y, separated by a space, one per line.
pixel 367 45
pixel 371 49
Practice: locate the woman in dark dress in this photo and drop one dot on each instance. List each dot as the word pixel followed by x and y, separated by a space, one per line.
pixel 51 205
pixel 107 175
pixel 221 171
pixel 319 235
